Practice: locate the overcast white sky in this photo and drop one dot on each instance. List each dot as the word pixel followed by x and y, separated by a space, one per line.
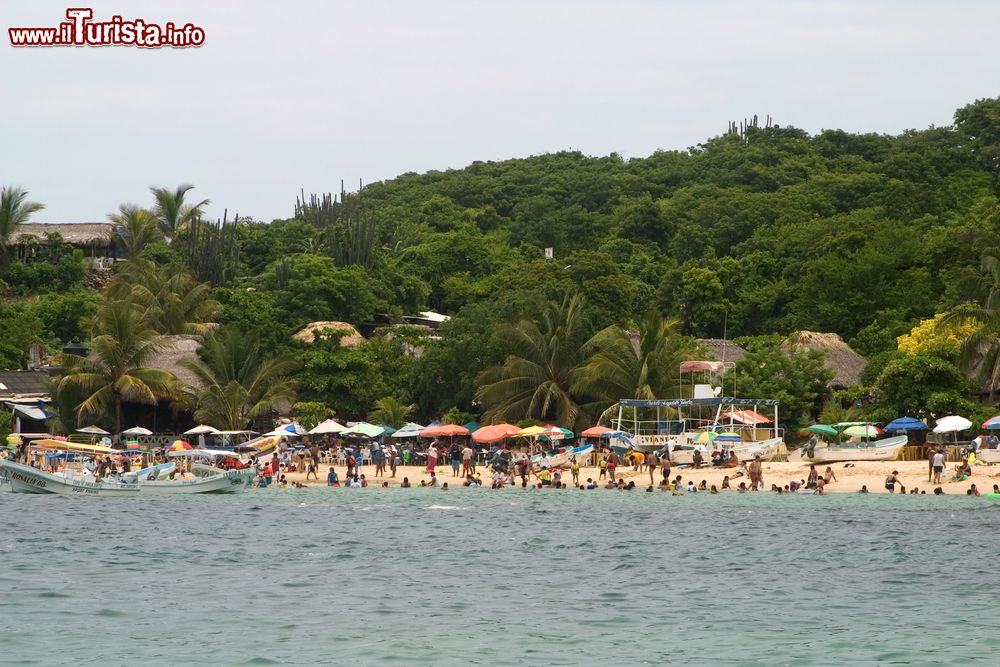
pixel 299 94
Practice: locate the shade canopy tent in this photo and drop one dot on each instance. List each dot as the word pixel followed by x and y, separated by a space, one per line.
pixel 327 426
pixel 409 430
pixel 596 432
pixel 202 429
pixel 137 430
pixel 93 430
pixel 363 429
pixel 906 424
pixel 494 433
pixel 444 430
pixel 952 424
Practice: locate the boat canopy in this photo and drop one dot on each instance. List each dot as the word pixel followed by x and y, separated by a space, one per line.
pixel 688 402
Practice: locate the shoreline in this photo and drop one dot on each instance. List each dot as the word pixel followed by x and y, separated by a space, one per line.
pixel 912 474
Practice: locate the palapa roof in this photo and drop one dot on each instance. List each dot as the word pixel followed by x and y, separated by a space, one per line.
pixel 74 233
pixel 845 363
pixel 175 349
pixel 17 384
pixel 351 338
pixel 719 349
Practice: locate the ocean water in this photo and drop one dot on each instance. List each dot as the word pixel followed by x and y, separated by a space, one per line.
pixel 513 577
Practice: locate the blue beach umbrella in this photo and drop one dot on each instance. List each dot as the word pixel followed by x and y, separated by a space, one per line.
pixel 906 424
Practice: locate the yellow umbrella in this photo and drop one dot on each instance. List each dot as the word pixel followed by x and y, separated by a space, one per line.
pixel 532 431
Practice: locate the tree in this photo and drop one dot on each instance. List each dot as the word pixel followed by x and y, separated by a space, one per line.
pixel 796 378
pixel 391 412
pixel 14 212
pixel 240 383
pixel 310 413
pixel 135 228
pixel 313 288
pixel 535 380
pixel 925 384
pixel 173 215
pixel 117 368
pixel 632 364
pixel 172 301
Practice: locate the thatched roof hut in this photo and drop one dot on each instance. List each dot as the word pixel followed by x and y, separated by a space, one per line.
pixel 351 336
pixel 79 234
pixel 845 363
pixel 718 349
pixel 174 350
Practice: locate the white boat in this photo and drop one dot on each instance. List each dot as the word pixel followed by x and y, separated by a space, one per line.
pixel 744 451
pixel 886 449
pixel 25 479
pixel 150 473
pixel 230 481
pixel 988 455
pixel 564 457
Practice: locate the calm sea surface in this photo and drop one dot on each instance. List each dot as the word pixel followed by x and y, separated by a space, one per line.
pixel 421 577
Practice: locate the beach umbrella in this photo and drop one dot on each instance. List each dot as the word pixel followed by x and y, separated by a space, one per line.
pixel 387 430
pixel 706 436
pixel 729 437
pixel 862 431
pixel 906 424
pixel 494 433
pixel 555 433
pixel 288 429
pixel 327 426
pixel 178 445
pixel 992 423
pixel 363 429
pixel 472 426
pixel 951 424
pixel 596 431
pixel 446 430
pixel 201 429
pixel 409 430
pixel 531 431
pixel 137 430
pixel 96 430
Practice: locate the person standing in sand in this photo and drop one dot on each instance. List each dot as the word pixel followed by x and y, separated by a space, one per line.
pixel 467 453
pixel 432 457
pixel 937 463
pixel 756 473
pixel 651 466
pixel 930 462
pixel 612 464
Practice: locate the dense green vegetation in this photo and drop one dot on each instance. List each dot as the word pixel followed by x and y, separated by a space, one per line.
pixel 746 235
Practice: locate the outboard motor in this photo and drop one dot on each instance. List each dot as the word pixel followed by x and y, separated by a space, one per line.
pixel 810 447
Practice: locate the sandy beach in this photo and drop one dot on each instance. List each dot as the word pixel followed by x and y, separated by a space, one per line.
pixel 912 474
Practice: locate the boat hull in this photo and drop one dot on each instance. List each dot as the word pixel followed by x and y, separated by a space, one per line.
pixel 231 481
pixel 886 449
pixel 747 451
pixel 988 455
pixel 25 479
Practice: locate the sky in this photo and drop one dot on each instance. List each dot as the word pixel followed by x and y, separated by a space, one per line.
pixel 300 94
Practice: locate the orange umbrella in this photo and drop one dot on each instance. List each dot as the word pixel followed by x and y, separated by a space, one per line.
pixel 495 432
pixel 444 430
pixel 596 431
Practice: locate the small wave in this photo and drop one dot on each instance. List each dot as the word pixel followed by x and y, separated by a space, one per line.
pixel 445 507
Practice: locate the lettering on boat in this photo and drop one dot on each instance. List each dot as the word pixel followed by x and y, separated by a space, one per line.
pixel 40 483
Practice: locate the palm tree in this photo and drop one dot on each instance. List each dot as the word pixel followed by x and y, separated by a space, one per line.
pixel 240 383
pixel 135 228
pixel 14 212
pixel 172 301
pixel 391 411
pixel 535 380
pixel 172 213
pixel 117 368
pixel 626 364
pixel 982 347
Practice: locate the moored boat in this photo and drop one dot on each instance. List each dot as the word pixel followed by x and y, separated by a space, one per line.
pixel 886 449
pixel 229 481
pixel 25 479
